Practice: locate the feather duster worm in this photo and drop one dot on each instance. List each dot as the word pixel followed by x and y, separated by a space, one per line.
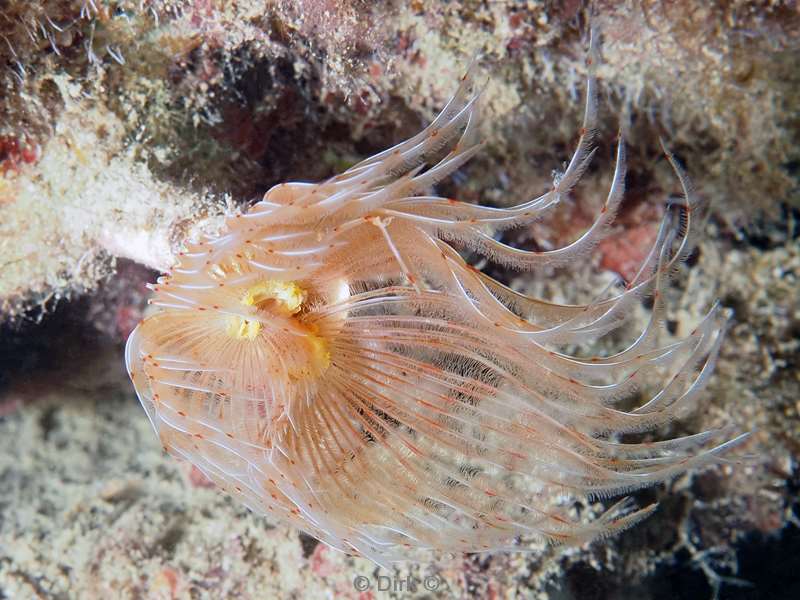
pixel 332 361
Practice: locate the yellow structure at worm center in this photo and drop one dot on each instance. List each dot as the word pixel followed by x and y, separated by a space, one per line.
pixel 285 298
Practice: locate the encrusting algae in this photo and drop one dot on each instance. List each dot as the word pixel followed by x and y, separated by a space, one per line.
pixel 332 361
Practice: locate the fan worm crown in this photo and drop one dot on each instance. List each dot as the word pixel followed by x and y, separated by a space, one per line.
pixel 333 362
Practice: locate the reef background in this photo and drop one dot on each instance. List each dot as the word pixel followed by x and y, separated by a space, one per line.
pixel 126 126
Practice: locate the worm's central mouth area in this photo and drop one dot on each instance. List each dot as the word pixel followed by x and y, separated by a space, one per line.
pixel 307 351
pixel 283 297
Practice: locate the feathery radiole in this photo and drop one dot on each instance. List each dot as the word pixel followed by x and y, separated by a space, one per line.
pixel 333 362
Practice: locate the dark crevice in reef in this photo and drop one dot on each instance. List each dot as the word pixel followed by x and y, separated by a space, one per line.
pixel 765 233
pixel 43 344
pixel 770 564
pixel 767 569
pixel 767 563
pixel 767 566
pixel 263 124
